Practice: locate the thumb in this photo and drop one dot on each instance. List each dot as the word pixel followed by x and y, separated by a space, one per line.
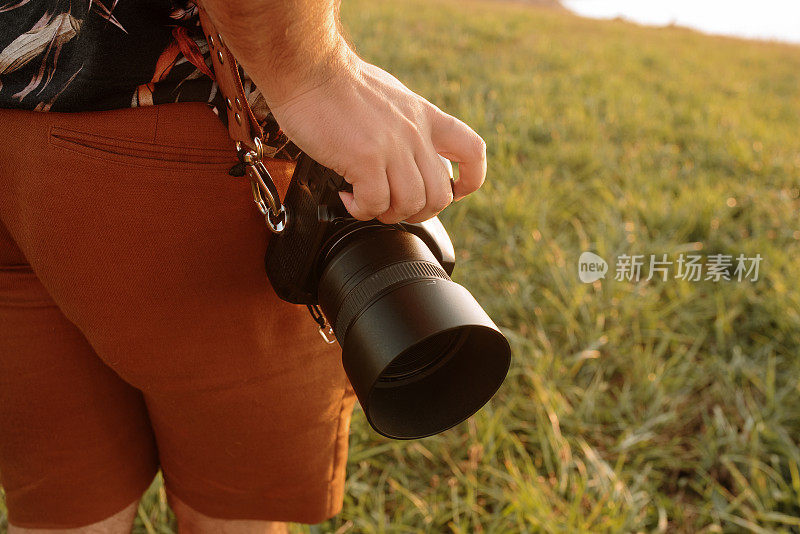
pixel 460 143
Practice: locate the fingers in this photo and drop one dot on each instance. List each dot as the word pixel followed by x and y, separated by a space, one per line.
pixel 458 142
pixel 415 188
pixel 437 173
pixel 370 197
pixel 407 190
pixel 448 167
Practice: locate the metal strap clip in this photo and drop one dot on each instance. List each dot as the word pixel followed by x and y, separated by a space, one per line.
pixel 265 194
pixel 325 329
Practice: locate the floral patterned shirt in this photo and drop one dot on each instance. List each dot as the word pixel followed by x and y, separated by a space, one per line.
pixel 89 55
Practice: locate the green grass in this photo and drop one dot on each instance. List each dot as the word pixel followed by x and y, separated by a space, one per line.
pixel 671 406
pixel 661 406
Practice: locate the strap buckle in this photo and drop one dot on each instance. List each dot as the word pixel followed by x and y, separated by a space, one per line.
pixel 265 194
pixel 325 329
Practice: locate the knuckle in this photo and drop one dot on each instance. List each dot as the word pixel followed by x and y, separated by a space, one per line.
pixel 431 109
pixel 416 133
pixel 409 202
pixel 442 199
pixel 382 205
pixel 377 207
pixel 372 196
pixel 404 211
pixel 450 124
pixel 365 212
pixel 478 147
pixel 414 205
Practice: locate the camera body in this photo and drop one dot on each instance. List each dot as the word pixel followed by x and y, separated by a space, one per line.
pixel 418 349
pixel 317 222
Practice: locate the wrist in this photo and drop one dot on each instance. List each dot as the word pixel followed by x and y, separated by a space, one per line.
pixel 304 72
pixel 286 47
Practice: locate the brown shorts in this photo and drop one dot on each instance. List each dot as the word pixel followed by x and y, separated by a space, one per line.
pixel 138 329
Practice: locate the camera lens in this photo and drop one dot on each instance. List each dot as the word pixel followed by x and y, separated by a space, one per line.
pixel 420 352
pixel 421 358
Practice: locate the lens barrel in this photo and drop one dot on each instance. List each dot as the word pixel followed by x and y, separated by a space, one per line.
pixel 420 352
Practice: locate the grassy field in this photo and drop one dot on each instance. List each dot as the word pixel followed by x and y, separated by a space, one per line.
pixel 631 406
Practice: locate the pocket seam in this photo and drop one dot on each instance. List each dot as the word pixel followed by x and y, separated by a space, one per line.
pixel 187 158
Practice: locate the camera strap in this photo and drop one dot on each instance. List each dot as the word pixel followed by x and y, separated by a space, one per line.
pixel 248 135
pixel 245 129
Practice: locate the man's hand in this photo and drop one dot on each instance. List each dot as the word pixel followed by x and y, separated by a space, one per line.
pixel 385 140
pixel 349 115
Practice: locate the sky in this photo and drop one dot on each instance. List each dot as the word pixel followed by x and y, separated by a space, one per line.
pixel 763 19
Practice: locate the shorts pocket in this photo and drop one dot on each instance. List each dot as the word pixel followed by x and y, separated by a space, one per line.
pixel 140 153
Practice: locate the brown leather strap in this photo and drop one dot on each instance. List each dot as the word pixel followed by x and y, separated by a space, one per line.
pixel 243 127
pixel 242 123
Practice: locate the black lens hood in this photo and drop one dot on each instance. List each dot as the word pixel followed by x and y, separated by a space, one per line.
pixel 390 302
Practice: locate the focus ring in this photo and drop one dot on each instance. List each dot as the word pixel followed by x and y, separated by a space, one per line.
pixel 360 296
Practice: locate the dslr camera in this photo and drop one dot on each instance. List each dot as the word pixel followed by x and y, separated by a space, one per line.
pixel 418 349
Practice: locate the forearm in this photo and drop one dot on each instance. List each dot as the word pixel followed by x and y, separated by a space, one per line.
pixel 286 46
pixel 347 114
